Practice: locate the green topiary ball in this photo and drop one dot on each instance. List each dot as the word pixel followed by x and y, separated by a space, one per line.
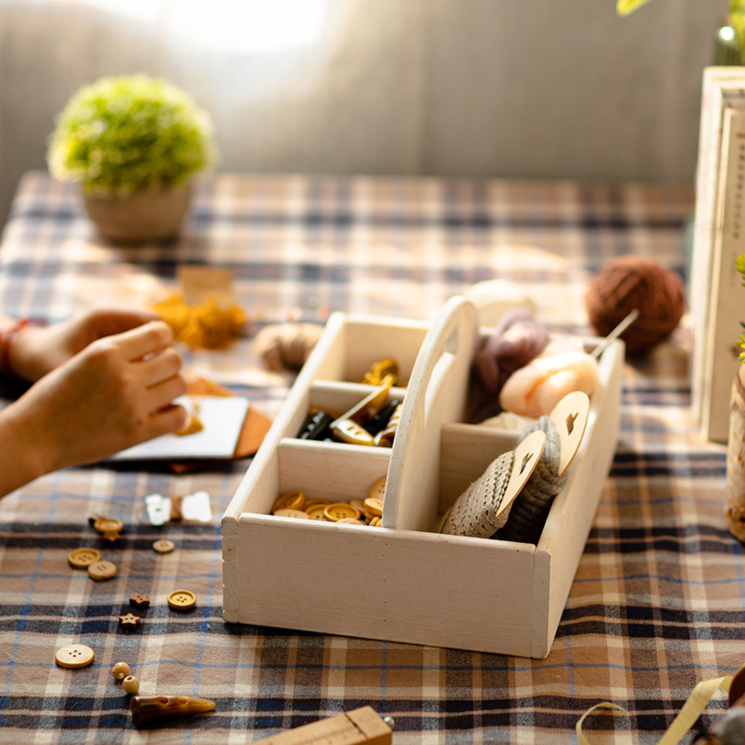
pixel 129 133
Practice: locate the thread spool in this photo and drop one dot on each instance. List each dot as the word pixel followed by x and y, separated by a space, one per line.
pixel 531 506
pixel 630 282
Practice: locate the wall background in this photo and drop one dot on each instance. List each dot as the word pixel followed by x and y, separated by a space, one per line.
pixel 484 88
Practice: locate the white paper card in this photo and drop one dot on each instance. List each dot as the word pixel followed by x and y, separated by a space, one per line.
pixel 222 417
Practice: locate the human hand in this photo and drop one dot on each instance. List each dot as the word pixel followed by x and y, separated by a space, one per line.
pixel 37 350
pixel 114 394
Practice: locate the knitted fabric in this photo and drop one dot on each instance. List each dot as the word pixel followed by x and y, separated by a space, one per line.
pixel 531 506
pixel 475 511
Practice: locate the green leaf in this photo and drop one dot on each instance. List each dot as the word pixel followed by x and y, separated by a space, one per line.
pixel 624 7
pixel 737 20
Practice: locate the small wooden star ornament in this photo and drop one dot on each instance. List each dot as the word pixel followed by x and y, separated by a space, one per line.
pixel 139 600
pixel 130 621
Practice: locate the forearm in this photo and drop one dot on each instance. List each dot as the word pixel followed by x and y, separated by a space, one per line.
pixel 22 459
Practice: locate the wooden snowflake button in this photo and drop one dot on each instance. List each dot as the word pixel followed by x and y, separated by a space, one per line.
pixel 108 525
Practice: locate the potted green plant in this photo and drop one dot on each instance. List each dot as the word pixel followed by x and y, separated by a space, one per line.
pixel 134 143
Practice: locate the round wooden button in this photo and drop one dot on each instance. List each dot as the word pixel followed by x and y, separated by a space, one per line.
pixel 163 546
pixel 82 558
pixel 340 510
pixel 108 525
pixel 314 503
pixel 102 570
pixel 74 656
pixel 293 500
pixel 374 506
pixel 358 505
pixel 377 490
pixel 182 599
pixel 292 513
pixel 375 522
pixel 317 513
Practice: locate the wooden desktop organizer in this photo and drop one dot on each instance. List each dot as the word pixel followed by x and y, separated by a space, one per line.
pixel 402 582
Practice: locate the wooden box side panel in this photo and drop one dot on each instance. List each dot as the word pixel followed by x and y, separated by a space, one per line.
pixel 330 471
pixel 465 452
pixel 573 512
pixel 374 583
pixel 371 340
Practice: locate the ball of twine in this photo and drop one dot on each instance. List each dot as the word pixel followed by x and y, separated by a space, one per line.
pixel 630 282
pixel 286 346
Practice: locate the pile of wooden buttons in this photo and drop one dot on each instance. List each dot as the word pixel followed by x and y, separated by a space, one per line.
pixel 355 512
pixel 373 421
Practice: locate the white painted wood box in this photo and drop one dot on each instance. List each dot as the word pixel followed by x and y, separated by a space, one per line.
pixel 402 582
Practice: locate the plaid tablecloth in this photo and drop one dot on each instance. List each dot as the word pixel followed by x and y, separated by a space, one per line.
pixel 658 602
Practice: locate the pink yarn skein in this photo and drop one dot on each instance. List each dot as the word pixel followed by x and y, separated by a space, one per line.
pixel 517 339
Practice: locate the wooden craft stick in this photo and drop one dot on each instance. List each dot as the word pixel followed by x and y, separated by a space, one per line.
pixel 351 728
pixel 527 455
pixel 570 417
pixel 600 348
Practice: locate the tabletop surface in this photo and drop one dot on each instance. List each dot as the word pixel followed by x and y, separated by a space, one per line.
pixel 657 602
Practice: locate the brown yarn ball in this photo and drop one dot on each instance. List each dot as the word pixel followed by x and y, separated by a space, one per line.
pixel 630 282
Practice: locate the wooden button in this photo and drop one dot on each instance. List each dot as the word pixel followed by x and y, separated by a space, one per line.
pixel 340 510
pixel 102 570
pixel 358 505
pixel 350 521
pixel 130 621
pixel 82 558
pixel 139 600
pixel 74 656
pixel 375 522
pixel 374 506
pixel 314 503
pixel 182 599
pixel 318 512
pixel 348 431
pixel 120 670
pixel 292 513
pixel 108 525
pixel 293 500
pixel 163 546
pixel 377 490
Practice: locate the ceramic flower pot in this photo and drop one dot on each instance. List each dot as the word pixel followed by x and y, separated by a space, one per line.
pixel 736 458
pixel 144 216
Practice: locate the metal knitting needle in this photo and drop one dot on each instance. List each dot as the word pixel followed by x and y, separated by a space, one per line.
pixel 600 348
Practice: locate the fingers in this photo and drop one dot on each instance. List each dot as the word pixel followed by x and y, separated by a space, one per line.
pixel 163 365
pixel 144 340
pixel 167 420
pixel 112 321
pixel 161 395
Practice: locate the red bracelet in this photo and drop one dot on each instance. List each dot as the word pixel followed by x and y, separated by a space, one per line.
pixel 6 339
